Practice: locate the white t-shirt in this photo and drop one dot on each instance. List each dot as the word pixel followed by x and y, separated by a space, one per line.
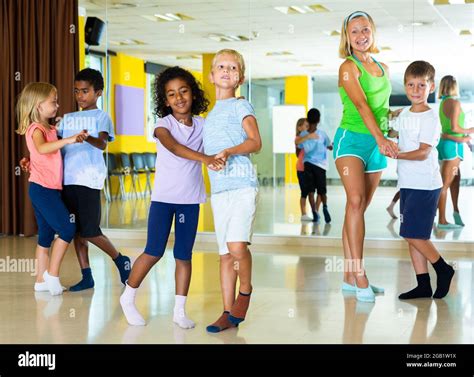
pixel 413 129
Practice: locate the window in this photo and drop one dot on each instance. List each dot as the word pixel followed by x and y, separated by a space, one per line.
pixel 151 118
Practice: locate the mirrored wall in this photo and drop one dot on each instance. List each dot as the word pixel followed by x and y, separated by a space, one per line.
pixel 291 57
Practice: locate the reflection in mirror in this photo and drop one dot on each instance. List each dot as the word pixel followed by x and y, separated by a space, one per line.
pixel 292 59
pixel 92 94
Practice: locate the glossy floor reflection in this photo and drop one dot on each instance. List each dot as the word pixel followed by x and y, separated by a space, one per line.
pixel 297 299
pixel 278 213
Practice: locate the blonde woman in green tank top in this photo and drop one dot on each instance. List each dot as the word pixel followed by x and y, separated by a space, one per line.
pixel 359 145
pixel 450 148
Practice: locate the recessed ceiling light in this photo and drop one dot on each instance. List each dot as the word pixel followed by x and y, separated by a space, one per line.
pixel 174 16
pixel 188 57
pixel 278 53
pixel 332 33
pixel 421 23
pixel 214 37
pixel 231 38
pixel 398 61
pixel 227 38
pixel 385 48
pixel 283 10
pixel 311 65
pixel 318 8
pixel 452 2
pixel 465 32
pixel 302 9
pixel 298 9
pixel 127 42
pixel 170 17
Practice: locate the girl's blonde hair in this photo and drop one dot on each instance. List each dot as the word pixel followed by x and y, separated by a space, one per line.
pixel 345 48
pixel 299 123
pixel 448 86
pixel 238 56
pixel 27 107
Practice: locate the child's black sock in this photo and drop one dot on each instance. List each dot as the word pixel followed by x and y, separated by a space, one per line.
pixel 444 273
pixel 86 282
pixel 423 290
pixel 124 266
pixel 327 216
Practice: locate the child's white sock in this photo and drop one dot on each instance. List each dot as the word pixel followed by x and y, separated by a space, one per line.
pixel 179 316
pixel 127 301
pixel 53 283
pixel 43 287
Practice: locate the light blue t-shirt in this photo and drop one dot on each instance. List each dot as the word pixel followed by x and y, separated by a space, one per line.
pixel 84 164
pixel 223 129
pixel 316 150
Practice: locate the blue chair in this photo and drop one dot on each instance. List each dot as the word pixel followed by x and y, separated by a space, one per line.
pixel 139 167
pixel 114 170
pixel 150 163
pixel 127 169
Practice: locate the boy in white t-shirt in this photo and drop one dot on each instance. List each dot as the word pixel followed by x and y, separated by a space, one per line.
pixel 419 180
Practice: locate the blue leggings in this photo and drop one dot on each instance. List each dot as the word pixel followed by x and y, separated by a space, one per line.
pixel 160 218
pixel 51 214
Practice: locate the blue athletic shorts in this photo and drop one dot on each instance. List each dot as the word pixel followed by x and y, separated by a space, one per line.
pixel 160 219
pixel 417 212
pixel 449 150
pixel 363 146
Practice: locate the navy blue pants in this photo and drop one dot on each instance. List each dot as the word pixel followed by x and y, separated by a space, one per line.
pixel 417 212
pixel 51 215
pixel 160 218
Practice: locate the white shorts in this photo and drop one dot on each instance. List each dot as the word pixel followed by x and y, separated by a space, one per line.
pixel 234 215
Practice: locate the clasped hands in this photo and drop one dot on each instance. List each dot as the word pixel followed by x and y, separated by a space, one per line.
pixel 388 148
pixel 217 162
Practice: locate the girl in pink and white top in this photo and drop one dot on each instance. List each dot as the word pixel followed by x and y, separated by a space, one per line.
pixel 36 105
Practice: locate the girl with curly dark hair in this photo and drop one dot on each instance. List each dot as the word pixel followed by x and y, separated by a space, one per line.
pixel 179 187
pixel 199 101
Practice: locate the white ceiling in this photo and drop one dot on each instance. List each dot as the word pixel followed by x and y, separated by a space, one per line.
pixel 438 41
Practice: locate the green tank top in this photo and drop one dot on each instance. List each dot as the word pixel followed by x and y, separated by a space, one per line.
pixel 446 122
pixel 377 90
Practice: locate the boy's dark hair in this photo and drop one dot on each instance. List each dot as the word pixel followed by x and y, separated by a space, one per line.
pixel 92 76
pixel 200 102
pixel 420 68
pixel 313 116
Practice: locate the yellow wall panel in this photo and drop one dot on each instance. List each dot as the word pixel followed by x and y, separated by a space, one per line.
pixel 297 90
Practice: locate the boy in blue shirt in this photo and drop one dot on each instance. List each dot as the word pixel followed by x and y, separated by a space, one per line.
pixel 85 172
pixel 316 144
pixel 231 133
